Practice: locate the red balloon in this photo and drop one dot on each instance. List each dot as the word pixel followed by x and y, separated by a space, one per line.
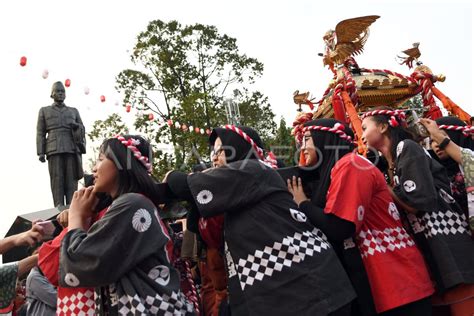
pixel 150 116
pixel 169 122
pixel 127 108
pixel 23 61
pixel 102 98
pixel 67 83
pixel 208 131
pixel 196 130
pixel 184 127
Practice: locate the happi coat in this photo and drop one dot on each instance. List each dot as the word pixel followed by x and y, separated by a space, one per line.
pixel 278 263
pixel 440 226
pixel 395 268
pixel 124 257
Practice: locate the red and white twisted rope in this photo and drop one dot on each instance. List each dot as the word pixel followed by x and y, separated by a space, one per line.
pixel 350 85
pixel 271 158
pixel 193 296
pixel 298 126
pixel 188 286
pixel 466 130
pixel 249 140
pixel 324 96
pixel 131 144
pixel 338 129
pixel 425 81
pixel 391 113
pixel 338 88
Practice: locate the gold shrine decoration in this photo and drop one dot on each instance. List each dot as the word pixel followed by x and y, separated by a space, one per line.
pixel 351 35
pixel 356 89
pixel 411 55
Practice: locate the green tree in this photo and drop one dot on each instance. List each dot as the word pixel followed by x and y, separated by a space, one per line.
pixel 183 73
pixel 255 111
pixel 415 103
pixel 103 129
pixel 283 144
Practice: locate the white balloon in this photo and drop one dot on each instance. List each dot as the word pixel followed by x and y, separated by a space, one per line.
pixel 202 131
pixel 45 74
pixel 86 90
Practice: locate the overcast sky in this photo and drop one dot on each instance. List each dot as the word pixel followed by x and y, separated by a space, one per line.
pixel 87 42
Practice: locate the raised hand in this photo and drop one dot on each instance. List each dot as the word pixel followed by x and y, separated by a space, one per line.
pixel 295 186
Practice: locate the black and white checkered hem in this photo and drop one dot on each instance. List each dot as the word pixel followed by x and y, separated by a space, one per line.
pixel 154 305
pixel 292 249
pixel 444 223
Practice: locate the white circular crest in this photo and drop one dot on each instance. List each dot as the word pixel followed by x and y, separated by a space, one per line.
pixel 360 212
pixel 400 148
pixel 71 280
pixel 446 196
pixel 297 215
pixel 409 185
pixel 204 197
pixel 161 275
pixel 393 211
pixel 141 220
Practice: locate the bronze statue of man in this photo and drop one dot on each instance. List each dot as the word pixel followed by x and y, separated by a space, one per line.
pixel 60 136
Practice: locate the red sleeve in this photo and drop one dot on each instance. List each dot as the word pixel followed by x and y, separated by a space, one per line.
pixel 351 188
pixel 48 260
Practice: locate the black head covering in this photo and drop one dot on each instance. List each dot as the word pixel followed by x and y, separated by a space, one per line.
pixel 236 148
pixel 456 136
pixel 328 155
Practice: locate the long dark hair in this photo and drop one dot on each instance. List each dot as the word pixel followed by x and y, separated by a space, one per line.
pixel 330 148
pixel 395 134
pixel 133 176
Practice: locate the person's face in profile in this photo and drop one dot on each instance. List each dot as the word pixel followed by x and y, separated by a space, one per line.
pixel 442 155
pixel 105 176
pixel 59 93
pixel 218 154
pixel 309 150
pixel 373 133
